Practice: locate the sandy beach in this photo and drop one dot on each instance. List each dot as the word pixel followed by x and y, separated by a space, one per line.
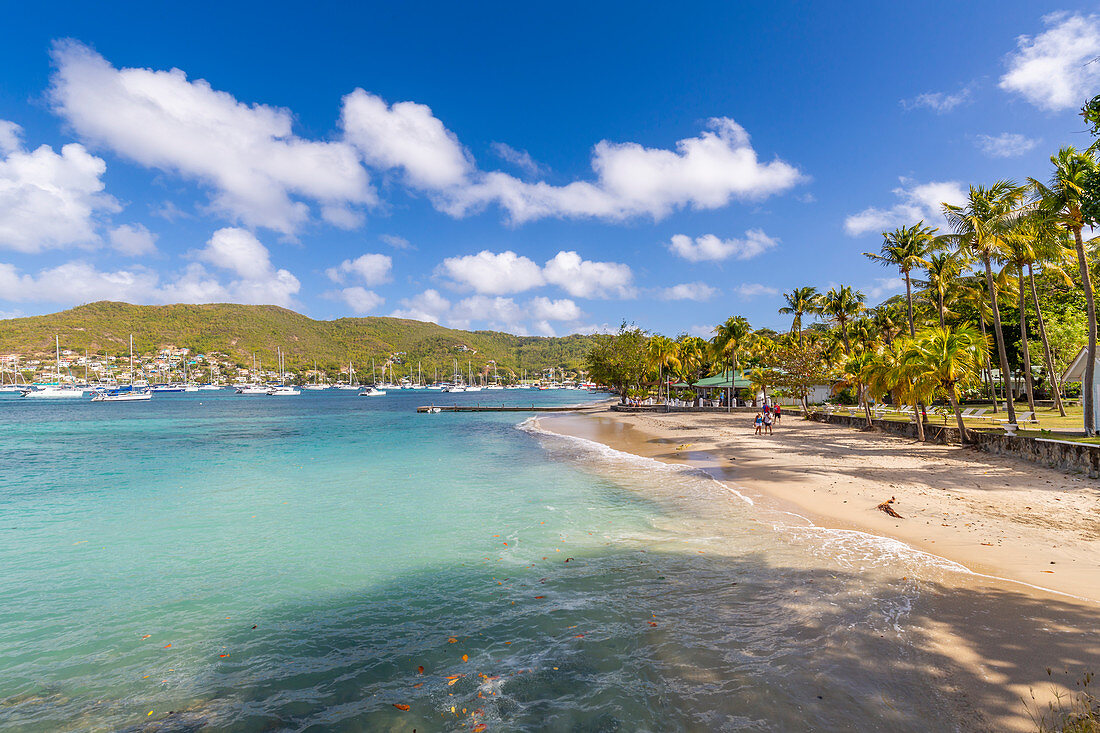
pixel 1030 537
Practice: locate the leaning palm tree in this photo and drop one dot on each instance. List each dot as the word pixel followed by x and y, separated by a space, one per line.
pixel 979 226
pixel 842 304
pixel 948 359
pixel 905 248
pixel 800 302
pixel 729 339
pixel 1062 199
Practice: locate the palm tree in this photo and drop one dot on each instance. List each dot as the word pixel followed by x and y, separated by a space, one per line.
pixel 888 372
pixel 760 380
pixel 980 225
pixel 693 354
pixel 886 317
pixel 905 248
pixel 729 338
pixel 942 270
pixel 948 359
pixel 853 371
pixel 801 301
pixel 662 354
pixel 842 304
pixel 1062 199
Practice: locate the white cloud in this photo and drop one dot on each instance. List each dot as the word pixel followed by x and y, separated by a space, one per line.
pixel 49 200
pixel 709 248
pixel 258 169
pixel 704 172
pixel 133 240
pixel 361 301
pixel 940 102
pixel 405 135
pixel 544 309
pixel 884 286
pixel 1005 145
pixel 427 306
pixel 395 241
pixel 918 202
pixel 748 291
pixel 702 331
pixel 371 269
pixel 688 291
pixel 78 282
pixel 501 314
pixel 586 279
pixel 519 158
pixel 259 282
pixel 493 273
pixel 1056 69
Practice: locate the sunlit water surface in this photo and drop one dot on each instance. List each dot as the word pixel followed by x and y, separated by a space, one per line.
pixel 220 562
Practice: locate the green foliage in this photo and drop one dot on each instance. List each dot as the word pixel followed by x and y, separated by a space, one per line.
pixel 620 361
pixel 238 331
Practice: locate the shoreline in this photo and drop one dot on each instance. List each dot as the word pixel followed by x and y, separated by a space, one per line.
pixel 1027 539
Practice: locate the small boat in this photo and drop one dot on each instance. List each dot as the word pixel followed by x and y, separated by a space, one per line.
pixel 208 387
pixel 434 410
pixel 253 389
pixel 372 392
pixel 167 388
pixel 123 394
pixel 283 390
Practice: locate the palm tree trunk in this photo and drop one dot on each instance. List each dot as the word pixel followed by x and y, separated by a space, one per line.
pixel 729 389
pixel 988 366
pixel 909 304
pixel 1055 386
pixel 798 322
pixel 1090 361
pixel 998 334
pixel 1029 379
pixel 939 297
pixel 844 333
pixel 866 406
pixel 919 421
pixel 958 415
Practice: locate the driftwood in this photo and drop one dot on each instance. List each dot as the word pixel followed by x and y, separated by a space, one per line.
pixel 885 507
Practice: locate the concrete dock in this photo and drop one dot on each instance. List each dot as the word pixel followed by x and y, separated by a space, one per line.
pixel 500 408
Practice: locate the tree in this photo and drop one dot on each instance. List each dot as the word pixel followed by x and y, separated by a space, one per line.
pixel 662 351
pixel 760 379
pixel 729 338
pixel 853 371
pixel 621 360
pixel 942 270
pixel 905 248
pixel 948 359
pixel 800 302
pixel 888 372
pixel 980 226
pixel 1062 199
pixel 842 304
pixel 799 368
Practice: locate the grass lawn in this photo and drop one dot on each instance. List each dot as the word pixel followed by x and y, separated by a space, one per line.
pixel 1048 417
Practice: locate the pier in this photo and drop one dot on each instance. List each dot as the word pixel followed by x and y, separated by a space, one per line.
pixel 501 408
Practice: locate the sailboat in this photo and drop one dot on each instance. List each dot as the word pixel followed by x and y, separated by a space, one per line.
pixel 351 379
pixel 126 393
pixel 254 387
pixel 318 385
pixel 14 386
pixel 496 379
pixel 282 389
pixel 470 386
pixel 57 390
pixel 213 382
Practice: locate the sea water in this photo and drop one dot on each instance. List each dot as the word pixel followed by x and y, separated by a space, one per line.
pixel 328 562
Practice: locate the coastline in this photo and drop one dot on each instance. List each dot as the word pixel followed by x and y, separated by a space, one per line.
pixel 1027 595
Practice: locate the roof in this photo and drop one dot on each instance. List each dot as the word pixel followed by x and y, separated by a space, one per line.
pixel 722 380
pixel 1076 370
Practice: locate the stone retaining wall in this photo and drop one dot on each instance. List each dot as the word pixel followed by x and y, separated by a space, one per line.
pixel 663 408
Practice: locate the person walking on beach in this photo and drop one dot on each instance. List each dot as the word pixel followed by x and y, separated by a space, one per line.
pixel 778 413
pixel 768 423
pixel 758 422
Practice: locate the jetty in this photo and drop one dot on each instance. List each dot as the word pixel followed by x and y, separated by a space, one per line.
pixel 501 408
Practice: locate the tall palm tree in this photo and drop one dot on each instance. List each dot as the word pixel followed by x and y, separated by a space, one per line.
pixel 1054 252
pixel 948 359
pixel 1062 198
pixel 800 302
pixel 905 248
pixel 853 372
pixel 729 339
pixel 662 354
pixel 980 226
pixel 886 318
pixel 842 304
pixel 942 270
pixel 889 372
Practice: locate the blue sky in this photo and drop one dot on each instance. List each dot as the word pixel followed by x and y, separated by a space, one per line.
pixel 532 169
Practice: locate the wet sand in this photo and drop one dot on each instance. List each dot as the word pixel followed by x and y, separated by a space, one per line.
pixel 1030 536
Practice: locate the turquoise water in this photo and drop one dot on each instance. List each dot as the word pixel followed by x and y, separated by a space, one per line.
pixel 220 562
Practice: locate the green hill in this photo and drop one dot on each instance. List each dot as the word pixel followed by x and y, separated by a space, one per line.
pixel 238 331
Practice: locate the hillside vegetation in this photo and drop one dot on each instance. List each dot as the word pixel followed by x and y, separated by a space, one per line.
pixel 238 331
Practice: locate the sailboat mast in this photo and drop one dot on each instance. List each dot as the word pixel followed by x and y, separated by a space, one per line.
pixel 131 360
pixel 57 348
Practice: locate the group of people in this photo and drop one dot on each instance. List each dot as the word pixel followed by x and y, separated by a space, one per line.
pixel 765 418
